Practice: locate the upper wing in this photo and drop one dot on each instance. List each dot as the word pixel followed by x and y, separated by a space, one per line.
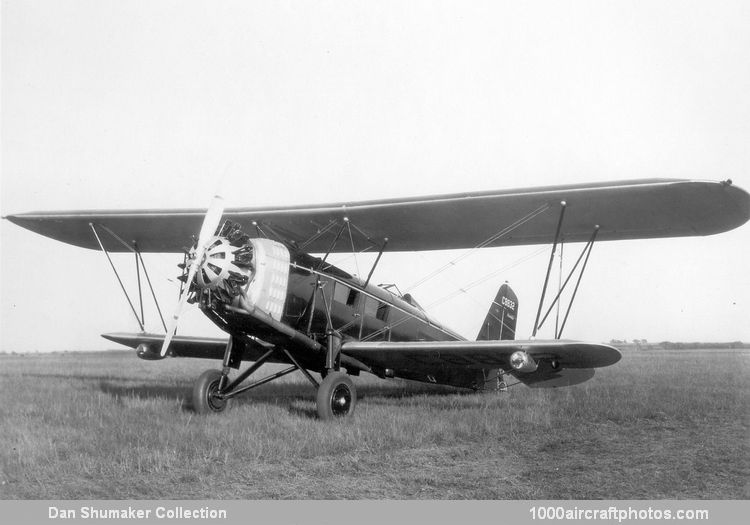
pixel 623 210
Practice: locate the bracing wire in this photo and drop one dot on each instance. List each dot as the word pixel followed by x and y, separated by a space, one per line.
pixel 352 255
pixel 490 275
pixel 318 235
pixel 459 291
pixel 486 242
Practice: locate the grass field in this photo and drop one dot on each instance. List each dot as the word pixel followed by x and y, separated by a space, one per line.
pixel 661 424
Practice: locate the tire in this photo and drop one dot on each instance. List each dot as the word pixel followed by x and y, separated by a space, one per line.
pixel 204 390
pixel 337 397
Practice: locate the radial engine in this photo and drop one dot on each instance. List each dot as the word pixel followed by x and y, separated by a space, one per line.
pixel 236 265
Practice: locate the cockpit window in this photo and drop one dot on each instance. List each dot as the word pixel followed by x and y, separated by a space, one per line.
pixel 409 299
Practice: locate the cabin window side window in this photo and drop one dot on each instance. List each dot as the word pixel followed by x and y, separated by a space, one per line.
pixel 371 307
pixel 383 310
pixel 341 293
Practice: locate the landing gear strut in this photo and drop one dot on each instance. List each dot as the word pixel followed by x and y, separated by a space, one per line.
pixel 336 395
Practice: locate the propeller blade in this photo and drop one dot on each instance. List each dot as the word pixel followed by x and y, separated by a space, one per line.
pixel 208 229
pixel 178 311
pixel 211 222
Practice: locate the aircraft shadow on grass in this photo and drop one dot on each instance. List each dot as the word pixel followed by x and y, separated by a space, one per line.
pixel 270 394
pixel 297 396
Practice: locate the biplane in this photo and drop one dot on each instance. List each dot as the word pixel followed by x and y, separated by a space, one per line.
pixel 263 276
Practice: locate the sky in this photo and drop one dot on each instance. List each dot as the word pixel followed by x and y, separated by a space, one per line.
pixel 162 104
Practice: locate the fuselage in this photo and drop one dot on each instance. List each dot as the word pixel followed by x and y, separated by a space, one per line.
pixel 359 310
pixel 301 294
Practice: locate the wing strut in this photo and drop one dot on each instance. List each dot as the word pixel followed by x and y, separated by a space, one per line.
pixel 377 260
pixel 549 266
pixel 117 275
pixel 150 287
pixel 586 250
pixel 344 225
pixel 139 263
pixel 559 287
pixel 140 292
pixel 333 244
pixel 590 245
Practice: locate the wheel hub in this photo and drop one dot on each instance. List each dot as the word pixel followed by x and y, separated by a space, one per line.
pixel 341 400
pixel 215 400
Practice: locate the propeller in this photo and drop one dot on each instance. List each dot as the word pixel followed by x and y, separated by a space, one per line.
pixel 208 229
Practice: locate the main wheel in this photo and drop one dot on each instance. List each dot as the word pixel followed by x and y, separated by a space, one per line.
pixel 205 390
pixel 336 396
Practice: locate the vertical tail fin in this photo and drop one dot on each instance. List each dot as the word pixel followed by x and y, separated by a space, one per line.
pixel 500 322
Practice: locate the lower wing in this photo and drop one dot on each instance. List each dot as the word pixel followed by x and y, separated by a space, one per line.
pixel 458 363
pixel 148 346
pixel 464 363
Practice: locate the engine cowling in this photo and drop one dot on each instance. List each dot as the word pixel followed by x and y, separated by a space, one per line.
pixel 235 265
pixel 267 289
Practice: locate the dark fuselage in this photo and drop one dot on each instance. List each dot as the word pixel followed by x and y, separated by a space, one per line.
pixel 358 311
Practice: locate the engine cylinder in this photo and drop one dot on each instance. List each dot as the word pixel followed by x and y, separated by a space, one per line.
pixel 224 267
